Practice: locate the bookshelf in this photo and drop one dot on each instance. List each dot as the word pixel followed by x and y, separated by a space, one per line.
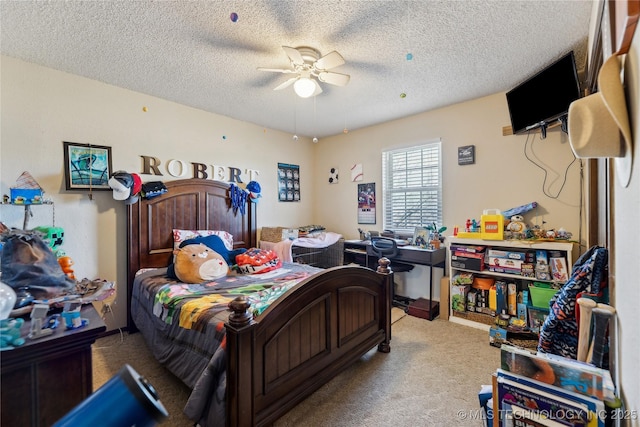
pixel 484 319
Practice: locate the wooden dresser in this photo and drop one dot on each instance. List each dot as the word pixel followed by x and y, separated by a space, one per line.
pixel 46 378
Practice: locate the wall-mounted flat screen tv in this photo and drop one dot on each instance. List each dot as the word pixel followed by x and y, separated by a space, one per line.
pixel 545 97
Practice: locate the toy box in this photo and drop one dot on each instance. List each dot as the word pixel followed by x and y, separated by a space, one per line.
pixel 26 196
pixel 559 269
pixel 459 297
pixel 492 225
pixel 472 249
pixel 507 263
pixel 522 256
pixel 497 336
pixel 466 263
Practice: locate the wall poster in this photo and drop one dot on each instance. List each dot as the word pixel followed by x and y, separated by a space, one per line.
pixel 367 203
pixel 288 182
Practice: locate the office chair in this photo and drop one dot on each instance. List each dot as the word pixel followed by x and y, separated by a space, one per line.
pixel 387 247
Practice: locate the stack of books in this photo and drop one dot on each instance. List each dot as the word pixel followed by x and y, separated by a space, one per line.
pixel 537 389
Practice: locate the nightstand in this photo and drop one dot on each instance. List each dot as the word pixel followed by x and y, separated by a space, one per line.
pixel 46 378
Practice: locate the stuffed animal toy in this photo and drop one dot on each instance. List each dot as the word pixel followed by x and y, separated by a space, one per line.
pixel 198 263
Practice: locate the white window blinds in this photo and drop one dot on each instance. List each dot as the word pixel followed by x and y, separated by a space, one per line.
pixel 412 187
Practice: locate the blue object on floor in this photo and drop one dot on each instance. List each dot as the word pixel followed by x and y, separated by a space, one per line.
pixel 127 399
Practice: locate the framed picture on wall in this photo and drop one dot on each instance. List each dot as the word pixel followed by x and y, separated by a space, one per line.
pixel 367 203
pixel 288 182
pixel 467 155
pixel 86 166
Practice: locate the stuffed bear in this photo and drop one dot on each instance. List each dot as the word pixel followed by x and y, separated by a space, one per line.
pixel 198 263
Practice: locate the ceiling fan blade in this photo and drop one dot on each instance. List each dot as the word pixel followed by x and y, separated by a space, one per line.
pixel 285 84
pixel 329 61
pixel 337 79
pixel 293 55
pixel 318 90
pixel 276 70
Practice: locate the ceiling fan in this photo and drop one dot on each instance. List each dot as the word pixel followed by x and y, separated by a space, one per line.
pixel 306 62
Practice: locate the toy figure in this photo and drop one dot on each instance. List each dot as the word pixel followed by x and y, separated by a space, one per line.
pixel 65 263
pixel 517 227
pixel 54 237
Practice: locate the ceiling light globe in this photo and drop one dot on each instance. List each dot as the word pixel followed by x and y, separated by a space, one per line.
pixel 304 87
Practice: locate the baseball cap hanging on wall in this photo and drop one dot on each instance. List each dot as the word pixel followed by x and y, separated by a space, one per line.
pixel 126 186
pixel 599 123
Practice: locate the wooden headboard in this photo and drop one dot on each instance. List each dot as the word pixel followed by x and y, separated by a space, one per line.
pixel 189 204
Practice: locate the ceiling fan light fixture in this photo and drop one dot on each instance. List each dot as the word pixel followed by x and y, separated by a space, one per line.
pixel 304 87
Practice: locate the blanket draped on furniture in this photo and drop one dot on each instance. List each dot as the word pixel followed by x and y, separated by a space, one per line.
pixel 283 247
pixel 559 333
pixel 192 317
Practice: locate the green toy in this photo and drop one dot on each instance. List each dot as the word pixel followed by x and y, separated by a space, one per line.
pixel 54 237
pixel 10 333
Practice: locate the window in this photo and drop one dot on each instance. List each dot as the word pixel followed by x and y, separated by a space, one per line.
pixel 412 187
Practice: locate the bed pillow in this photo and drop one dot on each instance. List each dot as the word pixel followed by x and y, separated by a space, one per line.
pixel 213 242
pixel 198 263
pixel 180 236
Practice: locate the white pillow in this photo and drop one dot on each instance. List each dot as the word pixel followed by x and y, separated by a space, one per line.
pixel 180 236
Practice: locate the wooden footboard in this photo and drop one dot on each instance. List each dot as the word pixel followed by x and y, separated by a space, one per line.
pixel 303 340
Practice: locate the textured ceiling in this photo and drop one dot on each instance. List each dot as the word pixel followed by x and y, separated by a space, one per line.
pixel 192 53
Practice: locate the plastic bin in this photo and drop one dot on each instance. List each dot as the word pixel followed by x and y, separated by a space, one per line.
pixel 540 296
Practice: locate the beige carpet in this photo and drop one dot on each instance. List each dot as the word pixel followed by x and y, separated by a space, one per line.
pixel 431 376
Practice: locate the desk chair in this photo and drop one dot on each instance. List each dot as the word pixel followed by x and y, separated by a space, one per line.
pixel 387 247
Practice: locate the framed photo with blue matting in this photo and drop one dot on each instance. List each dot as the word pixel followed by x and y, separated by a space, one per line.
pixel 87 167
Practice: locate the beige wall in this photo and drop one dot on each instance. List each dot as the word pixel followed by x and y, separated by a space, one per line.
pixel 501 177
pixel 42 107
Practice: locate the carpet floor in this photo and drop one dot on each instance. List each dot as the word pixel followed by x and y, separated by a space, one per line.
pixel 431 377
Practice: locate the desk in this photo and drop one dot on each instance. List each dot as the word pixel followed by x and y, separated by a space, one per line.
pixel 361 252
pixel 45 378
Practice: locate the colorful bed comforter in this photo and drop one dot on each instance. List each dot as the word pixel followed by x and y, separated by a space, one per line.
pixel 183 325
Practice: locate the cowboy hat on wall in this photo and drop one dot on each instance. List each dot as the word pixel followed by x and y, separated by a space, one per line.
pixel 599 123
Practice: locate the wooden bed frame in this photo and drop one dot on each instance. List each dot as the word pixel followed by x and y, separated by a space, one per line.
pixel 301 341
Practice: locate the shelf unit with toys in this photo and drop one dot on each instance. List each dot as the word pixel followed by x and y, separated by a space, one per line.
pixel 477 266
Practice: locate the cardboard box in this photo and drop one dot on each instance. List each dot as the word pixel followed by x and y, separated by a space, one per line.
pixel 504 270
pixel 514 255
pixel 445 284
pixel 466 263
pixel 459 297
pixel 468 254
pixel 26 196
pixel 455 247
pixel 497 336
pixel 508 263
pixel 559 269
